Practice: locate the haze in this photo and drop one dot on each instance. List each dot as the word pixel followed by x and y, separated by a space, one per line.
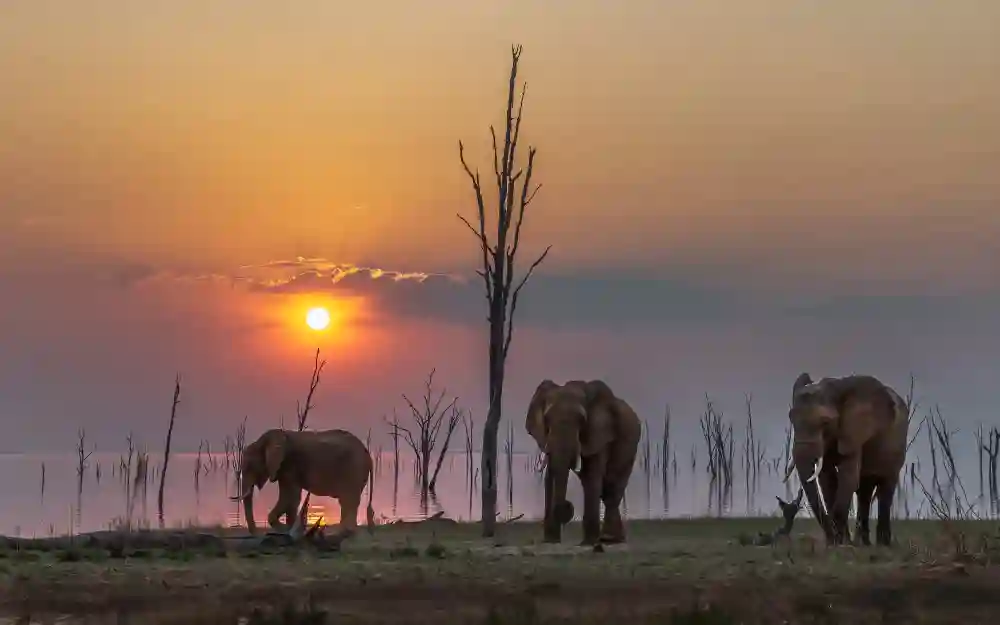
pixel 734 193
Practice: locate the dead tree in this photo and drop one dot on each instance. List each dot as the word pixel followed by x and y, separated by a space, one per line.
pixel 82 462
pixel 428 420
pixel 498 259
pixel 302 412
pixel 166 448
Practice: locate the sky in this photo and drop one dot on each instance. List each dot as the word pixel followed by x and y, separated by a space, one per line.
pixel 733 192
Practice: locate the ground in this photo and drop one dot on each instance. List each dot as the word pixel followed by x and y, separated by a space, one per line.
pixel 682 571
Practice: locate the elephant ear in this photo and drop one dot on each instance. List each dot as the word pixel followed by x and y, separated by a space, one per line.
pixel 534 421
pixel 602 418
pixel 804 379
pixel 866 408
pixel 274 453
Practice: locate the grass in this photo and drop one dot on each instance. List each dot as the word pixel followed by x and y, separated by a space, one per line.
pixel 680 571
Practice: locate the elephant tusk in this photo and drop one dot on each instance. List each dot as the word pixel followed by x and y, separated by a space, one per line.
pixel 819 467
pixel 246 493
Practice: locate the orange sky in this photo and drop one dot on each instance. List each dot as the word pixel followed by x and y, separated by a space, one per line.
pixel 239 132
pixel 779 149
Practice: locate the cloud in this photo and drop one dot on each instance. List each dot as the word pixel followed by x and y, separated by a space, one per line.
pixel 548 300
pixel 606 298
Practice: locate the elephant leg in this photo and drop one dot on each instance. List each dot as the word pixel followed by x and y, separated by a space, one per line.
pixel 292 513
pixel 866 489
pixel 287 506
pixel 349 505
pixel 592 478
pixel 613 530
pixel 274 516
pixel 885 493
pixel 848 477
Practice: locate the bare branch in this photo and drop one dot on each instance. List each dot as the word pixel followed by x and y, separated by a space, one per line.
pixel 407 435
pixel 477 188
pixel 480 236
pixel 303 413
pixel 512 253
pixel 455 416
pixel 496 156
pixel 514 296
pixel 531 195
pixel 513 150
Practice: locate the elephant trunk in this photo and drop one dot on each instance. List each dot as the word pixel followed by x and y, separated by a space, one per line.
pixel 561 509
pixel 562 459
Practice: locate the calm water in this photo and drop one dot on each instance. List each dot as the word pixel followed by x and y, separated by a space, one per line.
pixel 682 490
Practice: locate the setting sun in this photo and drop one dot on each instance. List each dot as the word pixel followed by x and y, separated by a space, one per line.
pixel 318 318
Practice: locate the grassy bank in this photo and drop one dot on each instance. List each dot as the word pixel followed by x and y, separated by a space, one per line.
pixel 691 571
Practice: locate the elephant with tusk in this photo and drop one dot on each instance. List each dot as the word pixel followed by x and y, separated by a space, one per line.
pixel 583 427
pixel 849 438
pixel 329 463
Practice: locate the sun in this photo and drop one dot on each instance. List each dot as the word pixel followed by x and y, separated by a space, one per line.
pixel 318 318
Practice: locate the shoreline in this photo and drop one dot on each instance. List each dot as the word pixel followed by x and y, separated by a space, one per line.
pixel 428 569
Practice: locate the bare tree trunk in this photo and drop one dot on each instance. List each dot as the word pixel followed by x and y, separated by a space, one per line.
pixel 497 271
pixel 491 430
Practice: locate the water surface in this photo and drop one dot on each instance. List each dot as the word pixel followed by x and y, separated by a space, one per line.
pixel 31 509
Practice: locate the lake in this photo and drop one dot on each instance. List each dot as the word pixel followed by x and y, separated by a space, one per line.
pixel 40 492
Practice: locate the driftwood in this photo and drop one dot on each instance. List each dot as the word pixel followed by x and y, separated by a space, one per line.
pixel 437 517
pixel 122 543
pixel 126 543
pixel 118 541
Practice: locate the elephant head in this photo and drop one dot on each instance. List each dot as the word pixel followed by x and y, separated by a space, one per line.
pixel 260 464
pixel 569 422
pixel 814 416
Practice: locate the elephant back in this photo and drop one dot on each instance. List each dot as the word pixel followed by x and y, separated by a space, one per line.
pixel 861 388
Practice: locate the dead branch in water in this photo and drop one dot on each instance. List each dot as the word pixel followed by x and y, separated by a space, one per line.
pixel 469 425
pixel 83 458
pixel 429 419
pixel 719 444
pixel 166 448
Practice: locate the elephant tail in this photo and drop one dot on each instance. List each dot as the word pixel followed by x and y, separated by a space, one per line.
pixel 371 491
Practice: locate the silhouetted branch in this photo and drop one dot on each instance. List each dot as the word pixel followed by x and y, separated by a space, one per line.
pixel 303 412
pixel 166 449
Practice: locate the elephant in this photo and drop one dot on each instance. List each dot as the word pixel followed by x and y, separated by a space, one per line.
pixel 582 426
pixel 330 463
pixel 849 436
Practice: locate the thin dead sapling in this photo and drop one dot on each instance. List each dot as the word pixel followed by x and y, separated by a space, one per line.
pixel 166 448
